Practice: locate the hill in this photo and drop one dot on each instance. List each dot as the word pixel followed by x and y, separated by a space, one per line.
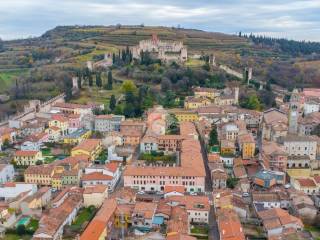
pixel 39 63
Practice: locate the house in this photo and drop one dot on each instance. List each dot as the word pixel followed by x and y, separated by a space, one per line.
pixel 274 156
pixel 54 134
pixel 218 175
pixel 197 207
pixel 311 105
pixel 39 174
pixel 267 178
pixel 229 225
pixel 192 102
pixel 149 143
pixel 108 174
pixel 186 115
pixel 297 146
pixel 307 185
pixel 95 195
pixel 265 200
pixel 8 218
pixel 108 123
pixel 247 145
pixel 308 123
pixel 75 122
pixel 51 225
pixel 8 134
pixel 274 124
pixel 227 147
pixel 210 93
pixel 123 215
pixel 32 205
pixel 170 143
pixel 60 122
pixel 132 138
pixel 101 225
pixel 303 206
pixel 73 108
pixel 276 221
pixel 12 190
pixel 173 191
pixel 77 136
pixel 27 158
pixel 90 147
pixel 143 214
pixel 133 126
pixel 230 131
pixel 6 173
pixel 34 142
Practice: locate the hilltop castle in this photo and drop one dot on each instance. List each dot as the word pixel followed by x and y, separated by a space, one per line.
pixel 166 51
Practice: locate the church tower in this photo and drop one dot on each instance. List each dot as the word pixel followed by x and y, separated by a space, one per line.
pixel 294 111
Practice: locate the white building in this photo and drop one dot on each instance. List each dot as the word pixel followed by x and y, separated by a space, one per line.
pixel 108 123
pixel 11 190
pixel 311 106
pixel 6 173
pixel 300 146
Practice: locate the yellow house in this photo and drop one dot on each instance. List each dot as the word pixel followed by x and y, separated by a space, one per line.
pixel 77 137
pixel 27 158
pixel 123 215
pixel 227 147
pixel 186 116
pixel 90 147
pixel 205 92
pixel 196 102
pixel 39 174
pixel 60 122
pixel 95 195
pixel 247 145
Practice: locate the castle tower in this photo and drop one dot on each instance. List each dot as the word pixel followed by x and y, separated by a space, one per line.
pixel 212 60
pixel 236 95
pixel 293 112
pixel 75 83
pixel 248 74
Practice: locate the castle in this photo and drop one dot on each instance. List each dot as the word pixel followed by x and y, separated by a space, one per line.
pixel 167 51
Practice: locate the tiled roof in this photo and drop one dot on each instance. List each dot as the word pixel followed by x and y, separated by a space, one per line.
pixel 306 182
pixel 96 176
pixel 21 153
pixel 88 145
pixel 95 189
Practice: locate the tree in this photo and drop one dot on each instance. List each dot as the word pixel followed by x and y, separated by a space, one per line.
pixel 316 131
pixel 79 80
pixel 98 80
pixel 213 136
pixel 110 81
pixel 21 229
pixel 113 101
pixel 232 182
pixel 128 86
pixel 90 79
pixel 68 88
pixel 38 162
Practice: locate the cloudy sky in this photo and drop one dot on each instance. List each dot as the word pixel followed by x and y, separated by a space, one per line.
pixel 294 19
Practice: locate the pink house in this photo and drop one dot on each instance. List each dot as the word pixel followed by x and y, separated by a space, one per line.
pixel 74 122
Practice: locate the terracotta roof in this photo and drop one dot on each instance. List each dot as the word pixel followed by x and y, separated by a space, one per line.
pixel 40 169
pixel 229 225
pixel 246 138
pixel 71 105
pixel 306 182
pixel 265 197
pixel 179 236
pixel 273 115
pixel 59 117
pixel 94 231
pixel 96 176
pixel 199 203
pixel 88 145
pixel 148 209
pixel 95 189
pixel 21 153
pixel 174 188
pixel 112 166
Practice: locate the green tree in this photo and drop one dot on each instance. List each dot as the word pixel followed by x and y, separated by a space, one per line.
pixel 316 131
pixel 110 81
pixel 232 182
pixel 98 80
pixel 68 88
pixel 21 230
pixel 113 101
pixel 128 86
pixel 90 79
pixel 213 140
pixel 38 162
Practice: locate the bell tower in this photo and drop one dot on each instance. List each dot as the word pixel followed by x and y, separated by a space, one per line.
pixel 294 111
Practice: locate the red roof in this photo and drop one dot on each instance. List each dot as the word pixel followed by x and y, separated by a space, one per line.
pixel 94 230
pixel 170 188
pixel 20 153
pixel 112 166
pixel 96 176
pixel 306 182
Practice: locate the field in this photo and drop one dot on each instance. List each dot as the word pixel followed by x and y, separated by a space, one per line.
pixel 7 78
pixel 97 95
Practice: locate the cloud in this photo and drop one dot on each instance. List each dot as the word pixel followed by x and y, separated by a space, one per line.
pixel 298 19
